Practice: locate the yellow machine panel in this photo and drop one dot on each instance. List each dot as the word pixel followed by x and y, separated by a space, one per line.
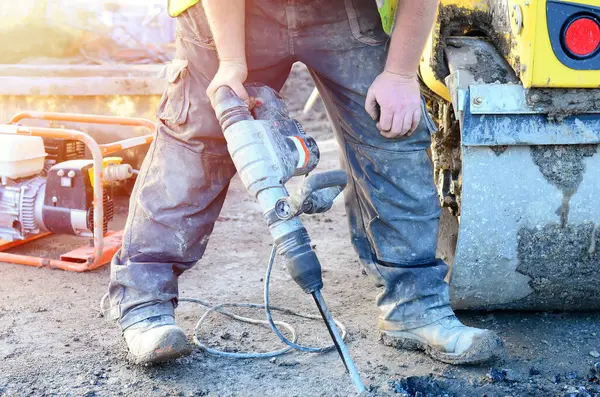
pixel 539 66
pixel 520 31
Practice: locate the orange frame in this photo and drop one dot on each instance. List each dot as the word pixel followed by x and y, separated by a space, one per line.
pixel 98 255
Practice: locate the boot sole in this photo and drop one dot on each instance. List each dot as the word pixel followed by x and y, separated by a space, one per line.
pixel 485 348
pixel 172 346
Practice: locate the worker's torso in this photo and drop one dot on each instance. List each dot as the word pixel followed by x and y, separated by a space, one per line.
pixel 386 10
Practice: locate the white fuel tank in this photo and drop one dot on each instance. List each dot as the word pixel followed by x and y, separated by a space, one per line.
pixel 21 156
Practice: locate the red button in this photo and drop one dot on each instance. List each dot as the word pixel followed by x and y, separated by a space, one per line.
pixel 583 36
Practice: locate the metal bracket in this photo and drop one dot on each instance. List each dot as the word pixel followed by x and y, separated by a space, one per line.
pixel 458 84
pixel 524 128
pixel 500 99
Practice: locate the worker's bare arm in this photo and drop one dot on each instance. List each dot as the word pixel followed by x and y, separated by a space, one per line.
pixel 396 89
pixel 227 24
pixel 414 19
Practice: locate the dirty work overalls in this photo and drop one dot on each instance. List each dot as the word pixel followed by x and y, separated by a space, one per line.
pixel 391 200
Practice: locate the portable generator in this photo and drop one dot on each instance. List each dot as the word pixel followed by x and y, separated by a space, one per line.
pixel 47 185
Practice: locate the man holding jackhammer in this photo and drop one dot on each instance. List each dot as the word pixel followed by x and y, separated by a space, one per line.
pixel 370 88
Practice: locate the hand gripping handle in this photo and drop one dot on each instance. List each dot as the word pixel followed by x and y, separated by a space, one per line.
pixel 228 106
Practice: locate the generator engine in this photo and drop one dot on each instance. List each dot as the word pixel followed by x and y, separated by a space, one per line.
pixel 46 187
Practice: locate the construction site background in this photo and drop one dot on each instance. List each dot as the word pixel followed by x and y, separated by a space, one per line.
pixel 85 32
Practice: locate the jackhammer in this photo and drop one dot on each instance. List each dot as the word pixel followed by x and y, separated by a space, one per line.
pixel 268 148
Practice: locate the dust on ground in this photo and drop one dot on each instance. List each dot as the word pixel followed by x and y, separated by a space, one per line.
pixel 53 341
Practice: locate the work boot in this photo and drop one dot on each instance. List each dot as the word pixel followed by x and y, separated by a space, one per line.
pixel 448 340
pixel 156 340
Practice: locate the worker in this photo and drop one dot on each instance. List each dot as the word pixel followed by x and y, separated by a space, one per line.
pixel 370 88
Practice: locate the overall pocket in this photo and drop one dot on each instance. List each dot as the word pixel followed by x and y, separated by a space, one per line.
pixel 365 22
pixel 175 103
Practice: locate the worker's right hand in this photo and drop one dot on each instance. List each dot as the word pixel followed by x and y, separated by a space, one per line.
pixel 230 74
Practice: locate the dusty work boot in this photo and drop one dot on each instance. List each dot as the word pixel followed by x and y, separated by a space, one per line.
pixel 448 340
pixel 156 340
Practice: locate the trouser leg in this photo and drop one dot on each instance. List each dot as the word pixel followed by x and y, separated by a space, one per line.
pixel 184 179
pixel 391 201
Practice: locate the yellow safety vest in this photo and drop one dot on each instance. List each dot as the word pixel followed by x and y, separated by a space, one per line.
pixel 387 10
pixel 176 7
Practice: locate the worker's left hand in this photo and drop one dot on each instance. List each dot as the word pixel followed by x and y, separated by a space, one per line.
pixel 399 100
